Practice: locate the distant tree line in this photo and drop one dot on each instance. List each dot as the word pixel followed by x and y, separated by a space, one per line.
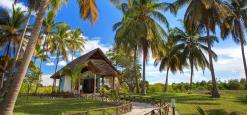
pixel 233 84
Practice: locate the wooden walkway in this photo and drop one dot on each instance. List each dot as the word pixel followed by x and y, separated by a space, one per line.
pixel 143 108
pixel 140 108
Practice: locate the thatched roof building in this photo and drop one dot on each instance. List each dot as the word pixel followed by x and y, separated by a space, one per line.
pixel 97 62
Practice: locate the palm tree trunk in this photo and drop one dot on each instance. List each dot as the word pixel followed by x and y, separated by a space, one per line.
pixel 22 38
pixel 54 80
pixel 9 102
pixel 191 73
pixel 41 61
pixel 136 78
pixel 242 48
pixel 143 76
pixel 166 84
pixel 215 93
pixel 131 86
pixel 5 64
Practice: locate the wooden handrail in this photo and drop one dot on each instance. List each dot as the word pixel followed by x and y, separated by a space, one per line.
pixel 121 108
pixel 159 111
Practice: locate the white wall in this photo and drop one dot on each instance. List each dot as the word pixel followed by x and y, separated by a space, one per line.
pixel 67 84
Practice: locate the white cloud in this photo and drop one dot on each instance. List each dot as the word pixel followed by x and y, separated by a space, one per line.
pixel 62 63
pixel 228 66
pixel 47 81
pixel 93 44
pixel 7 4
pixel 50 63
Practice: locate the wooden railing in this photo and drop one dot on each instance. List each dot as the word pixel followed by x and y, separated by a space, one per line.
pixel 159 111
pixel 120 107
pixel 118 110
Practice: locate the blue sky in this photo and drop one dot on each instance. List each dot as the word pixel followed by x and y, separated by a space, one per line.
pixel 228 66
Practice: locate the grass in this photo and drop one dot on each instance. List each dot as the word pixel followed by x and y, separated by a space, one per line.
pixel 231 102
pixel 45 106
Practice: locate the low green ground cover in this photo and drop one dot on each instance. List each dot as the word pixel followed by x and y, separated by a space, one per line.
pixel 233 102
pixel 47 106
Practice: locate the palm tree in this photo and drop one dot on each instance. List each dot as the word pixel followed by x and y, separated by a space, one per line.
pixel 75 74
pixel 169 61
pixel 9 102
pixel 77 42
pixel 59 44
pixel 204 14
pixel 143 18
pixel 33 5
pixel 235 25
pixel 193 48
pixel 10 25
pixel 39 54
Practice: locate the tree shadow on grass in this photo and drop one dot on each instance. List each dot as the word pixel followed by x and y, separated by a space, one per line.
pixel 223 112
pixel 200 103
pixel 242 100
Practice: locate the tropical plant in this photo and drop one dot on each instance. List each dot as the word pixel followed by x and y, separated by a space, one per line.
pixel 141 29
pixel 204 15
pixel 11 28
pixel 33 5
pixel 59 44
pixel 77 42
pixel 193 48
pixel 75 74
pixel 201 111
pixel 9 102
pixel 236 24
pixel 124 62
pixel 169 61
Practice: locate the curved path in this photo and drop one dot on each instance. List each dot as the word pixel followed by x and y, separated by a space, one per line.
pixel 141 108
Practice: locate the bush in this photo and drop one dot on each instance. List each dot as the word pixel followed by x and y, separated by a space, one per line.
pixel 234 85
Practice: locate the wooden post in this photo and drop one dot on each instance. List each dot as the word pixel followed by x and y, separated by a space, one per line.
pixel 94 90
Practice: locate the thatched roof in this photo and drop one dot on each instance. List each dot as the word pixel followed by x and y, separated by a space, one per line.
pixel 96 61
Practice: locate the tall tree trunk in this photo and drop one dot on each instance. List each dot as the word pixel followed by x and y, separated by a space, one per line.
pixel 40 67
pixel 136 77
pixel 191 73
pixel 54 80
pixel 215 93
pixel 22 38
pixel 9 102
pixel 7 58
pixel 143 76
pixel 242 48
pixel 131 86
pixel 166 84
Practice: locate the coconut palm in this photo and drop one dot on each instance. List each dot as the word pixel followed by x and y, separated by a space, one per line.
pixel 59 44
pixel 236 25
pixel 142 23
pixel 169 61
pixel 10 25
pixel 9 102
pixel 33 5
pixel 204 14
pixel 77 42
pixel 193 48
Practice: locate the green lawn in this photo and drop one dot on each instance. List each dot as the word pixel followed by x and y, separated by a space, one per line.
pixel 231 102
pixel 45 106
